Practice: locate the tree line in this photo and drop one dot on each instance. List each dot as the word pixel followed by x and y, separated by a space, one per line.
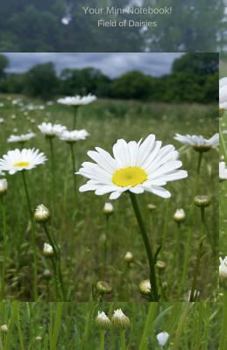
pixel 193 78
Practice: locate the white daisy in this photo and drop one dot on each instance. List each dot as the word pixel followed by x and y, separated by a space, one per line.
pixel 77 100
pixel 18 160
pixel 223 267
pixel 198 142
pixel 135 166
pixel 74 135
pixel 222 171
pixel 20 138
pixel 162 338
pixel 51 130
pixel 223 93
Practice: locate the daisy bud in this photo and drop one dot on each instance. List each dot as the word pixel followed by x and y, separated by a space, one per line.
pixel 102 320
pixel 128 257
pixel 38 338
pixel 151 207
pixel 223 268
pixel 161 265
pixel 42 213
pixel 3 186
pixel 162 338
pixel 179 215
pixel 47 274
pixel 103 287
pixel 4 328
pixel 145 287
pixel 108 208
pixel 48 250
pixel 120 320
pixel 202 201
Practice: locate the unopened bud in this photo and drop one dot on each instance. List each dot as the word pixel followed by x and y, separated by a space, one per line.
pixel 161 265
pixel 202 201
pixel 223 268
pixel 108 208
pixel 145 287
pixel 128 257
pixel 4 328
pixel 38 338
pixel 103 287
pixel 120 320
pixel 3 186
pixel 179 215
pixel 48 250
pixel 47 274
pixel 42 213
pixel 151 207
pixel 102 320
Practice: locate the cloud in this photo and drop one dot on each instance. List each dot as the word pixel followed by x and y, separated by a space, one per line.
pixel 112 64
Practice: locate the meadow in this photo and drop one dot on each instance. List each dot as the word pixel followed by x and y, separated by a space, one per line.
pixel 51 326
pixel 93 247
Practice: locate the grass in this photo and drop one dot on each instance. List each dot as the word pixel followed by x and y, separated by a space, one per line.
pixel 78 223
pixel 72 326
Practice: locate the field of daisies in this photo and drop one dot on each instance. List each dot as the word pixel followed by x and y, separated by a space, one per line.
pixel 122 326
pixel 107 200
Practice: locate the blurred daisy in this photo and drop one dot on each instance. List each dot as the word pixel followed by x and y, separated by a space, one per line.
pixel 223 267
pixel 18 160
pixel 222 171
pixel 51 130
pixel 74 135
pixel 135 167
pixel 223 93
pixel 77 100
pixel 198 142
pixel 162 338
pixel 21 138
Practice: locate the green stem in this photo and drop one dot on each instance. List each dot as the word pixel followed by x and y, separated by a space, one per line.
pixel 4 237
pixel 75 110
pixel 122 340
pixel 56 266
pixel 151 261
pixel 222 142
pixel 223 340
pixel 52 160
pixel 32 233
pixel 72 152
pixel 102 340
pixel 199 162
pixel 27 195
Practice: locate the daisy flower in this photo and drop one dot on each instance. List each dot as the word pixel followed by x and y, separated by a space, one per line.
pixel 223 267
pixel 51 130
pixel 198 142
pixel 223 93
pixel 135 166
pixel 20 138
pixel 74 135
pixel 222 171
pixel 162 338
pixel 77 100
pixel 18 160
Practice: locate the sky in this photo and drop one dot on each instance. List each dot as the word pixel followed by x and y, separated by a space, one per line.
pixel 111 64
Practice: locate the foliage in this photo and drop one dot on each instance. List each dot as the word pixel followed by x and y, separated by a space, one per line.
pixel 194 78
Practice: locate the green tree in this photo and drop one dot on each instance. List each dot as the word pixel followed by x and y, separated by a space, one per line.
pixel 41 81
pixel 3 65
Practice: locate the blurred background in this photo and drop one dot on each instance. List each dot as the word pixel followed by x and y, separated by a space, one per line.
pixel 61 26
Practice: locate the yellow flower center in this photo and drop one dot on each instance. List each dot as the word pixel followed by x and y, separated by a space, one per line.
pixel 21 164
pixel 130 176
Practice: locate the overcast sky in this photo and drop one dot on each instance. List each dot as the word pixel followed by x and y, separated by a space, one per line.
pixel 112 64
